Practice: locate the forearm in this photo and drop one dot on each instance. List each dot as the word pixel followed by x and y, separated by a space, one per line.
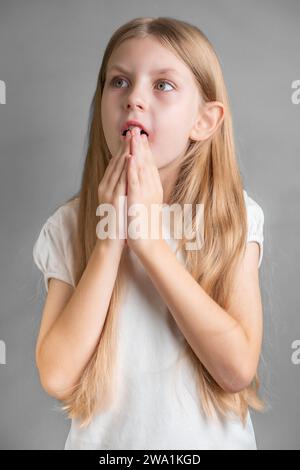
pixel 71 341
pixel 217 338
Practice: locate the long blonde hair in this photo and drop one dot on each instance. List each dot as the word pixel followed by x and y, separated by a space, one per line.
pixel 208 175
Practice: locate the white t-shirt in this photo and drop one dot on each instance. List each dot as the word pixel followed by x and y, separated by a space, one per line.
pixel 157 405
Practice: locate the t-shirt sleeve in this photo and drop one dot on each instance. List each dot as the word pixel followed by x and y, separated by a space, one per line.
pixel 255 216
pixel 49 254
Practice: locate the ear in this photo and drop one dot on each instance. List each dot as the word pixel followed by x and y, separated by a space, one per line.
pixel 209 119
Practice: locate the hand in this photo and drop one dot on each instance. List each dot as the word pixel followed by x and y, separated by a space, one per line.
pixel 144 188
pixel 112 187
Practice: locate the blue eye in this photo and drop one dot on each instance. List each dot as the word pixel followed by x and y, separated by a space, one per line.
pixel 164 81
pixel 120 79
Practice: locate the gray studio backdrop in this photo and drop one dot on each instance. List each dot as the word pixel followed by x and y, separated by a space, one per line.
pixel 50 54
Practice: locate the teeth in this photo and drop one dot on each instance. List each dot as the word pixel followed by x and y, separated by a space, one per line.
pixel 132 127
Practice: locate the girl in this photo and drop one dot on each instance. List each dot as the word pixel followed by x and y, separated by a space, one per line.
pixel 147 344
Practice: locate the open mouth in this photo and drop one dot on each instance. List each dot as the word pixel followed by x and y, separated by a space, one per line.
pixel 141 132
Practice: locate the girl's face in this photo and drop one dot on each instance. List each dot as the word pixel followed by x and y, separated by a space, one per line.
pixel 166 103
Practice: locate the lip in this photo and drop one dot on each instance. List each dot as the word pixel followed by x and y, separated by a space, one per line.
pixel 133 123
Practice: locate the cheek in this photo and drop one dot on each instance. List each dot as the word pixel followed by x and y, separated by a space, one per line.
pixel 106 116
pixel 107 105
pixel 108 129
pixel 168 146
pixel 104 107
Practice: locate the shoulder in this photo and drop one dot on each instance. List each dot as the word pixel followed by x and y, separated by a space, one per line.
pixel 52 250
pixel 65 216
pixel 255 222
pixel 251 204
pixel 62 224
pixel 255 214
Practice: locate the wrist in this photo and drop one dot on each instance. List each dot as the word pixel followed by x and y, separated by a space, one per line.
pixel 146 248
pixel 115 247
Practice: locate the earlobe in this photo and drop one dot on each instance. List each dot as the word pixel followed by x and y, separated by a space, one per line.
pixel 210 118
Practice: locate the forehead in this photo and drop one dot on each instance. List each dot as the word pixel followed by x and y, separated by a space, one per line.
pixel 149 56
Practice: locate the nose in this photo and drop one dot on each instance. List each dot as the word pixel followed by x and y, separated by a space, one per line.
pixel 136 98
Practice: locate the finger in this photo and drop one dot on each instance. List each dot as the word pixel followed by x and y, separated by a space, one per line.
pixel 136 149
pixel 114 177
pixel 135 143
pixel 133 178
pixel 141 149
pixel 147 151
pixel 120 187
pixel 124 149
pixel 125 145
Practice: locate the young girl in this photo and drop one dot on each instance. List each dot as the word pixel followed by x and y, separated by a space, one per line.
pixel 150 345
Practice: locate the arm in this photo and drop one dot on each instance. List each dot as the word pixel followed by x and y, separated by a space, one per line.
pixel 72 324
pixel 68 336
pixel 227 343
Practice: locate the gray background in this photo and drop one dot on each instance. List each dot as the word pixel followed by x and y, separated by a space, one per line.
pixel 50 54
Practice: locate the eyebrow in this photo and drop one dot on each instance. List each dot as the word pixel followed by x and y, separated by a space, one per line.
pixel 154 72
